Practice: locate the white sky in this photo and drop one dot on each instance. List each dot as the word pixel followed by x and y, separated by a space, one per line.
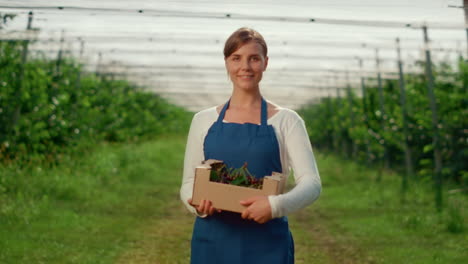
pixel 180 42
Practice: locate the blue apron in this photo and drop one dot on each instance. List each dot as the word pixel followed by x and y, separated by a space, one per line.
pixel 226 238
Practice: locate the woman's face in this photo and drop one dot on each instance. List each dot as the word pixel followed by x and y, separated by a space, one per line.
pixel 246 65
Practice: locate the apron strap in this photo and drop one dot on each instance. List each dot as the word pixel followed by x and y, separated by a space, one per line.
pixel 223 112
pixel 264 112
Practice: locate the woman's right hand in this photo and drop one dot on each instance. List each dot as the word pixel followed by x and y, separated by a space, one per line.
pixel 205 207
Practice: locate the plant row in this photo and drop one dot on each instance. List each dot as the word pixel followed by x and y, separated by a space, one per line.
pixel 371 130
pixel 47 105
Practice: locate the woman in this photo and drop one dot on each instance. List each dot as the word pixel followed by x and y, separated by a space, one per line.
pixel 266 136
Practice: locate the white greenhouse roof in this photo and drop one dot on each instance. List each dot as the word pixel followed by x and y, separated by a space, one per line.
pixel 174 48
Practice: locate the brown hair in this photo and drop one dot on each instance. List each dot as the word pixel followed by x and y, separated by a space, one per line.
pixel 242 36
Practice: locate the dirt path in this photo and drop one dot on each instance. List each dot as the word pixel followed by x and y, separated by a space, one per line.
pixel 167 240
pixel 312 225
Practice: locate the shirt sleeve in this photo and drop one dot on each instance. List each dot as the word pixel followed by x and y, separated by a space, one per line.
pixel 302 161
pixel 193 157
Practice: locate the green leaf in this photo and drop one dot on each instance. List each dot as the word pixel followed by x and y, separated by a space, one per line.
pixel 428 148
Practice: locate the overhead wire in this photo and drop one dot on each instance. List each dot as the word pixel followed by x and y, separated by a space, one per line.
pixel 213 15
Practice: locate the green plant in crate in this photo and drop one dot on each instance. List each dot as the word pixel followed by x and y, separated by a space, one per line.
pixel 234 176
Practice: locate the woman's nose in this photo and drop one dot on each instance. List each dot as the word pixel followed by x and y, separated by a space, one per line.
pixel 245 65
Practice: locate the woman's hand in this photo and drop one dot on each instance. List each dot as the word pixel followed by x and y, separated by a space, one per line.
pixel 205 207
pixel 258 209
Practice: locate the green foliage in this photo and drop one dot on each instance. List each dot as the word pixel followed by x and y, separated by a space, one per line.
pixel 46 105
pixel 331 127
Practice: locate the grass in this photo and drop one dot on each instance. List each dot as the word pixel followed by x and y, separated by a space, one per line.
pixel 89 208
pixel 392 229
pixel 120 204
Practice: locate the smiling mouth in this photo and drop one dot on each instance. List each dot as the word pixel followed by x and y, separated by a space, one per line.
pixel 245 76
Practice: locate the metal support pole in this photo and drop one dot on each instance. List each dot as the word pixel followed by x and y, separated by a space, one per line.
pixel 60 53
pixel 77 93
pixel 364 110
pixel 382 111
pixel 435 138
pixel 404 113
pixel 30 20
pixel 339 139
pixel 327 113
pixel 98 65
pixel 466 30
pixel 465 8
pixel 330 117
pixel 351 115
pixel 79 61
pixel 24 56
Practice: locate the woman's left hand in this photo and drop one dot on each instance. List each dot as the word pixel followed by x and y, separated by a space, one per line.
pixel 258 209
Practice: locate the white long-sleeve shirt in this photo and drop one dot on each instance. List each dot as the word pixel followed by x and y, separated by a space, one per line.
pixel 295 150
